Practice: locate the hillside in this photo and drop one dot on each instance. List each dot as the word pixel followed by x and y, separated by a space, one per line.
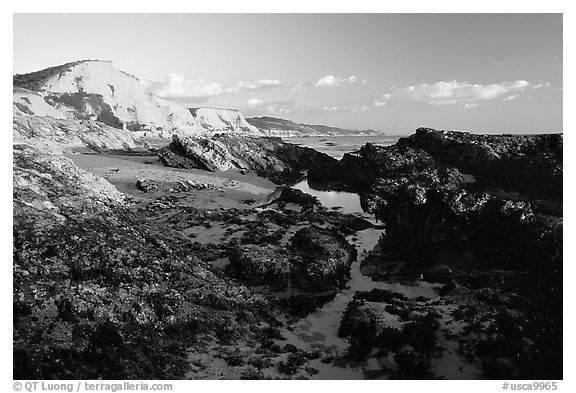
pixel 222 120
pixel 273 126
pixel 95 90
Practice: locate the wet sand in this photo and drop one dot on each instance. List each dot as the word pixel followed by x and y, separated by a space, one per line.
pixel 230 187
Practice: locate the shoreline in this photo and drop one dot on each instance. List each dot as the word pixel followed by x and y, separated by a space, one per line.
pixel 366 309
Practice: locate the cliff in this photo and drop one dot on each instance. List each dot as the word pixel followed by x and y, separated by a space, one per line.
pixel 272 126
pixel 95 90
pixel 223 120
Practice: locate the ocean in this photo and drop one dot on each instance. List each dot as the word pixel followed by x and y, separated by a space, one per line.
pixel 337 146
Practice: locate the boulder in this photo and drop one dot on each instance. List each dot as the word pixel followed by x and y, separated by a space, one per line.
pixel 317 260
pixel 146 185
pixel 324 259
pixel 261 265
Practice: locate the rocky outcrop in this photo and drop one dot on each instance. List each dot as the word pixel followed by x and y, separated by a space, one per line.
pixel 452 217
pixel 530 164
pixel 269 157
pixel 317 260
pixel 421 189
pixel 48 186
pixel 430 207
pixel 64 134
pixel 199 152
pixel 146 185
pixel 357 171
pixel 392 324
pixel 262 264
pixel 324 259
pixel 292 195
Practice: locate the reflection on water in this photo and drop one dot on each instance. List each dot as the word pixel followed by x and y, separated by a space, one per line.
pixel 349 202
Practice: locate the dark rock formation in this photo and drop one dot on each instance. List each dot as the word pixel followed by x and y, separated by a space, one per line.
pixel 324 259
pixel 392 323
pixel 357 171
pixel 482 215
pixel 529 164
pixel 146 185
pixel 269 157
pixel 261 265
pixel 420 190
pixel 317 260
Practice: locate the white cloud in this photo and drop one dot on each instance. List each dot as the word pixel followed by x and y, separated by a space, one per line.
pixel 175 86
pixel 278 109
pixel 333 81
pixel 332 109
pixel 257 107
pixel 269 82
pixel 383 100
pixel 362 108
pixel 510 98
pixel 298 87
pixel 539 85
pixel 451 93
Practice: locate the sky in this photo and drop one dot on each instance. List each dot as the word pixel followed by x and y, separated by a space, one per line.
pixel 492 73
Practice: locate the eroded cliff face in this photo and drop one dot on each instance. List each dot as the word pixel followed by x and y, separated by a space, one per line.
pixel 220 120
pixel 95 90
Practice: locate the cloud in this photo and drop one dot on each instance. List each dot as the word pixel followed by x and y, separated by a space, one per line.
pixel 269 83
pixel 362 108
pixel 176 86
pixel 333 81
pixel 257 107
pixel 383 100
pixel 333 108
pixel 539 85
pixel 510 98
pixel 327 81
pixel 464 94
pixel 299 87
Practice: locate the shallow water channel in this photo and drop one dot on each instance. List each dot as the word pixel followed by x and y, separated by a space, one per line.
pixel 321 327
